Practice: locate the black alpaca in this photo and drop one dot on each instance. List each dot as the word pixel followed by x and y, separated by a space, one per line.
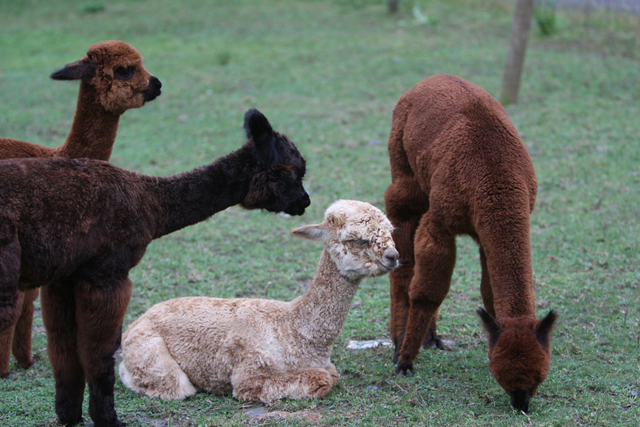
pixel 79 226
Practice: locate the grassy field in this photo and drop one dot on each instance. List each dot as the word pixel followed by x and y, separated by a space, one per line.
pixel 327 74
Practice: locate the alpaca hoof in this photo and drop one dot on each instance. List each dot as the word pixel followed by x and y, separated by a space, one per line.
pixel 25 364
pixel 433 342
pixel 118 423
pixel 69 422
pixel 404 369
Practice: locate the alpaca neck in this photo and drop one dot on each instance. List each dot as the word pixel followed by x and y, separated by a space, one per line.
pixel 511 272
pixel 191 197
pixel 94 129
pixel 322 310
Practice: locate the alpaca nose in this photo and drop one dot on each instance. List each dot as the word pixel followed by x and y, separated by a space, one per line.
pixel 155 82
pixel 391 256
pixel 520 400
pixel 153 89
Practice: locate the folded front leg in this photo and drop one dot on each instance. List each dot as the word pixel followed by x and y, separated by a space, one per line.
pixel 307 384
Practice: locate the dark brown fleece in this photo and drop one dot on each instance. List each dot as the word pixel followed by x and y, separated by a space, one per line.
pixel 77 227
pixel 112 80
pixel 458 166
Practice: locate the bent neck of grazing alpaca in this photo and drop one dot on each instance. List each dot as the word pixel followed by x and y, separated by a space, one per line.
pixel 94 129
pixel 191 197
pixel 511 272
pixel 322 310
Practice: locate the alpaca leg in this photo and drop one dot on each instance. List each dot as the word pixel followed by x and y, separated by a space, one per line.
pixel 308 384
pixel 485 285
pixel 400 278
pixel 6 338
pixel 100 310
pixel 10 298
pixel 435 259
pixel 22 336
pixel 148 367
pixel 405 205
pixel 432 340
pixel 59 317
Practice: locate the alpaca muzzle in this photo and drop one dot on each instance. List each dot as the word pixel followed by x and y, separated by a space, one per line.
pixel 153 90
pixel 520 400
pixel 298 206
pixel 390 258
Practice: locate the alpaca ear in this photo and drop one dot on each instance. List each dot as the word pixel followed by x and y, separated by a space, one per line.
pixel 490 325
pixel 544 327
pixel 258 128
pixel 79 70
pixel 311 232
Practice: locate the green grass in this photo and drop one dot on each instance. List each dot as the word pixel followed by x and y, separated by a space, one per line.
pixel 328 74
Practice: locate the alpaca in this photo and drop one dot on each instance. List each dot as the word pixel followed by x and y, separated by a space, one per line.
pixel 112 80
pixel 458 166
pixel 78 226
pixel 262 349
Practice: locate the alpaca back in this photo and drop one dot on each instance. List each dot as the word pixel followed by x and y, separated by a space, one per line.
pixel 64 215
pixel 210 337
pixel 13 148
pixel 453 135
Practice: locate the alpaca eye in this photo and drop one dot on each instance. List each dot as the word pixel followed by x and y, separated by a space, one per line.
pixel 125 73
pixel 360 244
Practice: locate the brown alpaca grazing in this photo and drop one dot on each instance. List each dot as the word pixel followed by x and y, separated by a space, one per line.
pixel 112 80
pixel 76 227
pixel 458 166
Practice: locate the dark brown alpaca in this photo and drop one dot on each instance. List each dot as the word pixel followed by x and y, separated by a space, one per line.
pixel 112 80
pixel 458 166
pixel 78 227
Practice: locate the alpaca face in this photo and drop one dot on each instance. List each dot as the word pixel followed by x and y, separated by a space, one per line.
pixel 121 79
pixel 276 185
pixel 114 68
pixel 519 355
pixel 360 240
pixel 285 192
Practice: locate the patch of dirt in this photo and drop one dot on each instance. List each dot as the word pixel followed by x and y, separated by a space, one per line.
pixel 264 416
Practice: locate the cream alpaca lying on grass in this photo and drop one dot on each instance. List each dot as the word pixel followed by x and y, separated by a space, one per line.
pixel 262 349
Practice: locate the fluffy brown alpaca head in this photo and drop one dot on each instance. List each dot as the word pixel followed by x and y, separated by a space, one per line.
pixel 519 354
pixel 114 69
